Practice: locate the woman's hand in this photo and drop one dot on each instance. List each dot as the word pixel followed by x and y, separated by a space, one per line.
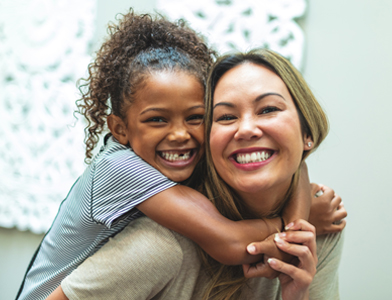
pixel 268 249
pixel 327 212
pixel 296 277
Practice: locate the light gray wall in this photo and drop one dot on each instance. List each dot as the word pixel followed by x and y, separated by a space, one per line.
pixel 16 250
pixel 348 65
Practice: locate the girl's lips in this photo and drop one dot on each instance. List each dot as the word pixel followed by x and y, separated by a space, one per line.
pixel 177 158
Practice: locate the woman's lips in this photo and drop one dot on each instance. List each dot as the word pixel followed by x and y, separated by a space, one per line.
pixel 252 157
pixel 249 159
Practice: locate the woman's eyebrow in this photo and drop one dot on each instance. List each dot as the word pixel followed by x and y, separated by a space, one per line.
pixel 224 104
pixel 258 98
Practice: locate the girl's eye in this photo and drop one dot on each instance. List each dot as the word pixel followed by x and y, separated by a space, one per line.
pixel 195 119
pixel 269 109
pixel 156 120
pixel 226 117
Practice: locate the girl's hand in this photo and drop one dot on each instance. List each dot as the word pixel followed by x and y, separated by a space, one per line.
pixel 327 212
pixel 299 241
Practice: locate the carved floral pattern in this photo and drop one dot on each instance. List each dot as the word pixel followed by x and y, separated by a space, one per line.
pixel 244 24
pixel 44 49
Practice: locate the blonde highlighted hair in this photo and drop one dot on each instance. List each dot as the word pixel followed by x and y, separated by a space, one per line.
pixel 226 282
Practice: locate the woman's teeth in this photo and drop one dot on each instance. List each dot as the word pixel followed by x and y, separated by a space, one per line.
pixel 176 156
pixel 252 157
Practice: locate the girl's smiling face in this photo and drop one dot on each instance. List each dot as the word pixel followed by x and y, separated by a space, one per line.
pixel 164 124
pixel 256 140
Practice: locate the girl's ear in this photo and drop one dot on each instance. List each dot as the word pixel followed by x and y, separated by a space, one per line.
pixel 118 129
pixel 308 142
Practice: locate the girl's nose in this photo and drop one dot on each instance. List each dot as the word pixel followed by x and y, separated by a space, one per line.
pixel 248 129
pixel 179 135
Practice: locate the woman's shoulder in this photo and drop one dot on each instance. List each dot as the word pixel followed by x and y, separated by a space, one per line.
pixel 143 259
pixel 150 237
pixel 325 284
pixel 144 236
pixel 329 247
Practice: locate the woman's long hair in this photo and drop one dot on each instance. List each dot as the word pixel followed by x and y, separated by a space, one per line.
pixel 227 282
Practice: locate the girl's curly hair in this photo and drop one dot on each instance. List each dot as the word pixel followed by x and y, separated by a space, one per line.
pixel 138 46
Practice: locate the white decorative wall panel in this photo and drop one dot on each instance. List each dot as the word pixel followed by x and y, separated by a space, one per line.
pixel 44 49
pixel 244 24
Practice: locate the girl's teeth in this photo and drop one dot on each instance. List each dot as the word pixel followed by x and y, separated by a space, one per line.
pixel 176 157
pixel 252 157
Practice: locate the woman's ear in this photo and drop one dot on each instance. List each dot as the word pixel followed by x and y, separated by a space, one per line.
pixel 308 143
pixel 118 129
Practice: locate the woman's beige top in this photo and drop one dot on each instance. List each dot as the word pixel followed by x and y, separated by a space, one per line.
pixel 148 261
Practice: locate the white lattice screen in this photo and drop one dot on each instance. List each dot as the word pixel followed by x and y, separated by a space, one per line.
pixel 244 24
pixel 44 49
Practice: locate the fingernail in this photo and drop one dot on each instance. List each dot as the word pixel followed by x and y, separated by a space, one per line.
pixel 278 240
pixel 282 234
pixel 251 249
pixel 271 261
pixel 288 226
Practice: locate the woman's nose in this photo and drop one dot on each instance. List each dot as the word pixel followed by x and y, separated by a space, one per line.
pixel 179 135
pixel 248 129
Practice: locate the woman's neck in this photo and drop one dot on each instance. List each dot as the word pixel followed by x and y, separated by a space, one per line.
pixel 265 202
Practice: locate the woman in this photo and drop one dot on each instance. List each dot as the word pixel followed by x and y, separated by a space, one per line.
pixel 262 122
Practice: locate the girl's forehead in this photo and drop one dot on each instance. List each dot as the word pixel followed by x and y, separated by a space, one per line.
pixel 165 87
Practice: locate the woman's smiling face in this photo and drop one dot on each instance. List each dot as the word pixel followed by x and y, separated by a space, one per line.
pixel 256 140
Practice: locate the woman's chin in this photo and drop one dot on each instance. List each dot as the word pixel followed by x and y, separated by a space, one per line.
pixel 249 187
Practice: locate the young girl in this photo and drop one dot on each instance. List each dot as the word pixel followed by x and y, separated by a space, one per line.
pixel 147 83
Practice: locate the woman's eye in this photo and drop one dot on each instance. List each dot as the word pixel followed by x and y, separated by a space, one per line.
pixel 225 117
pixel 195 119
pixel 269 109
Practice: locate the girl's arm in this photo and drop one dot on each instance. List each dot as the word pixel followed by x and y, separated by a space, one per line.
pixel 191 214
pixel 299 205
pixel 327 212
pixel 57 294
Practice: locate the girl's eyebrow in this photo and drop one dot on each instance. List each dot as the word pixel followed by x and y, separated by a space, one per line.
pixel 165 109
pixel 195 107
pixel 153 109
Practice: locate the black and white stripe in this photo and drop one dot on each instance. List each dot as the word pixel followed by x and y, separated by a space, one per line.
pixel 99 205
